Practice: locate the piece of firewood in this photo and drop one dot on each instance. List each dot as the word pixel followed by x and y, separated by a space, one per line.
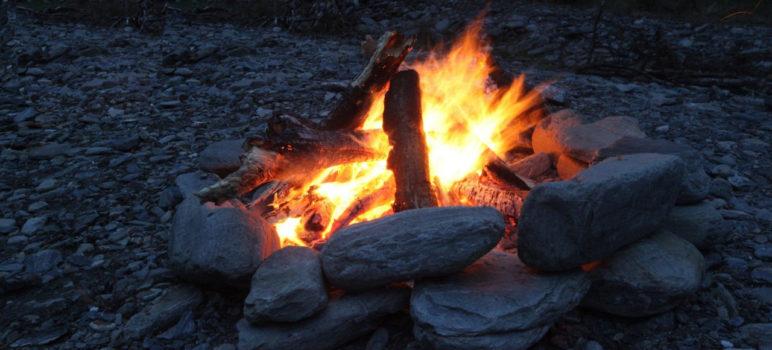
pixel 476 190
pixel 408 159
pixel 351 111
pixel 290 150
pixel 360 206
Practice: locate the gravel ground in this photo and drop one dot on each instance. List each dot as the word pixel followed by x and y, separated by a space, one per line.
pixel 96 125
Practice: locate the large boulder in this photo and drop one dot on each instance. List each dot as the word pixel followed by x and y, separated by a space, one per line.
pixel 215 244
pixel 646 278
pixel 287 287
pixel 412 244
pixel 222 157
pixel 563 133
pixel 614 203
pixel 700 224
pixel 696 182
pixel 496 303
pixel 343 320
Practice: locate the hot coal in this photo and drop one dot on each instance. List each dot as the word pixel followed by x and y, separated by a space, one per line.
pixel 614 203
pixel 418 243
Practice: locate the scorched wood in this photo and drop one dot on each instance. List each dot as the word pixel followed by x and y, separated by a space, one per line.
pixel 351 111
pixel 291 148
pixel 482 192
pixel 403 124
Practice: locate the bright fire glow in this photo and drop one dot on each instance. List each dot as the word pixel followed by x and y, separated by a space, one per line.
pixel 465 121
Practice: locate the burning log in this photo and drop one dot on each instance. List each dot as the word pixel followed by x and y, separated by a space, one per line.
pixel 481 191
pixel 360 206
pixel 290 148
pixel 403 123
pixel 350 113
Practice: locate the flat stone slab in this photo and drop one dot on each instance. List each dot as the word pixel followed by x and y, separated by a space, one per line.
pixel 696 184
pixel 496 303
pixel 343 320
pixel 287 287
pixel 411 244
pixel 618 201
pixel 646 278
pixel 563 133
pixel 162 312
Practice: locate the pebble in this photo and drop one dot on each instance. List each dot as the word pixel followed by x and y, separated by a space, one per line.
pixel 34 225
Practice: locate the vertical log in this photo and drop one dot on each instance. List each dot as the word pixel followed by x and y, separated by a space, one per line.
pixel 403 123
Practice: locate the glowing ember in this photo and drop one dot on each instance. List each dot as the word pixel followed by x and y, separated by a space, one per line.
pixel 464 119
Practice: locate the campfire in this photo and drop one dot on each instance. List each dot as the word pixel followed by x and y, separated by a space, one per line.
pixel 434 133
pixel 416 175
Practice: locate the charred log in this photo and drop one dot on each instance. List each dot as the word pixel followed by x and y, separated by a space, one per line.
pixel 480 191
pixel 360 206
pixel 408 159
pixel 290 148
pixel 351 111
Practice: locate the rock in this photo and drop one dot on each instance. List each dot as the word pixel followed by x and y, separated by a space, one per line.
pixel 547 131
pixel 566 224
pixel 42 261
pixel 170 197
pixel 40 338
pixel 163 312
pixel 379 340
pixel 411 244
pixel 568 167
pixel 533 166
pixel 7 225
pixel 190 183
pixel 762 274
pixel 343 320
pixel 46 185
pixel 287 287
pixel 49 151
pixel 566 135
pixel 696 185
pixel 34 225
pixel 221 158
pixel 700 224
pixel 646 278
pixel 496 303
pixel 213 244
pixel 757 333
pixel 721 188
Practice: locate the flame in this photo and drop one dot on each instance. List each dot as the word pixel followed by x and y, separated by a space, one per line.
pixel 465 120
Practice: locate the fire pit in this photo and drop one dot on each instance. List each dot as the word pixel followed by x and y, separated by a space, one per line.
pixel 400 200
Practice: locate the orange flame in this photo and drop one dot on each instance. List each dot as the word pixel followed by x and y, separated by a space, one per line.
pixel 464 118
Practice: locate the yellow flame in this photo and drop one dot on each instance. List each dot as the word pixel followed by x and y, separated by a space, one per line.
pixel 464 117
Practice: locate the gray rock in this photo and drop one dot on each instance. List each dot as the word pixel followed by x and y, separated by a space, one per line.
pixel 222 157
pixel 162 312
pixel 33 225
pixel 565 135
pixel 190 183
pixel 49 151
pixel 696 185
pixel 287 287
pixel 40 338
pixel 533 166
pixel 213 244
pixel 496 303
pixel 412 244
pixel 343 320
pixel 700 224
pixel 42 261
pixel 7 225
pixel 762 274
pixel 646 278
pixel 757 333
pixel 614 203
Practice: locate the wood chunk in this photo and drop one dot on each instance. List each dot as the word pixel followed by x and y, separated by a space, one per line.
pixel 290 148
pixel 351 111
pixel 408 160
pixel 480 191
